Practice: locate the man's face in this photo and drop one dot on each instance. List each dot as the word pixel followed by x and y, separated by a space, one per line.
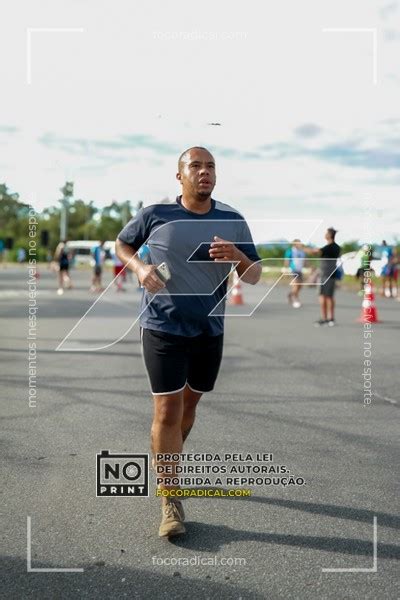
pixel 197 174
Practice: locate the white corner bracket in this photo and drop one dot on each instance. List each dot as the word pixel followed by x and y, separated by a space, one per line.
pixel 374 567
pixel 31 30
pixel 372 30
pixel 29 567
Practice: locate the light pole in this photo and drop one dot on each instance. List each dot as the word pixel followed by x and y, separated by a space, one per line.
pixel 67 192
pixel 126 212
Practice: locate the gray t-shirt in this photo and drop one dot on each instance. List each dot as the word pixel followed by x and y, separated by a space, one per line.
pixel 198 284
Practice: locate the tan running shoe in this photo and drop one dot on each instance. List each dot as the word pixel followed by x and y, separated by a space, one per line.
pixel 172 519
pixel 179 506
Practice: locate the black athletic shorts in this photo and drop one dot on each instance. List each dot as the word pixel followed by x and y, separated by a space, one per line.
pixel 299 277
pixel 172 361
pixel 97 270
pixel 328 288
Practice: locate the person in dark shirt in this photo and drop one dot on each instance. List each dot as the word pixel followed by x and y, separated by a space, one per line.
pixel 201 240
pixel 62 257
pixel 329 255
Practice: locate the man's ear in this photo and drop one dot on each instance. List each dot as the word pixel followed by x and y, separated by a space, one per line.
pixel 179 177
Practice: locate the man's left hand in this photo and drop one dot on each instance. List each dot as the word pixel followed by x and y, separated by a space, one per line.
pixel 223 250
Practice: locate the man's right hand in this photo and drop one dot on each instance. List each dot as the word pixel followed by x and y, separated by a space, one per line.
pixel 149 279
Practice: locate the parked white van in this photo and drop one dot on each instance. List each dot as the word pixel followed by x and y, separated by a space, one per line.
pixel 83 251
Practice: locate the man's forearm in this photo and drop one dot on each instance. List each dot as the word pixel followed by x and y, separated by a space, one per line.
pixel 251 269
pixel 313 251
pixel 128 256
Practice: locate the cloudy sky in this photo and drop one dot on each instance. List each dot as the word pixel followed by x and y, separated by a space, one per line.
pixel 109 93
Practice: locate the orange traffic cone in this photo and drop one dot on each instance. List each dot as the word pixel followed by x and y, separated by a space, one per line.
pixel 236 296
pixel 369 314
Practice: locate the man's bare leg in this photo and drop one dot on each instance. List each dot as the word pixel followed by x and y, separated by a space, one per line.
pixel 330 306
pixel 166 434
pixel 190 400
pixel 174 415
pixel 323 305
pixel 390 287
pixel 166 438
pixel 385 281
pixel 296 292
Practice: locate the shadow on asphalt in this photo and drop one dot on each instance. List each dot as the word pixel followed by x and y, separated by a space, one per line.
pixel 203 537
pixel 330 510
pixel 352 438
pixel 78 400
pixel 111 582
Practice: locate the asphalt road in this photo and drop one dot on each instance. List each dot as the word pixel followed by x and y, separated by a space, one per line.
pixel 285 387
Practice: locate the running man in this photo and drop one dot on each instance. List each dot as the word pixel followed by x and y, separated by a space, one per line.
pixel 201 240
pixel 294 259
pixel 329 255
pixel 99 256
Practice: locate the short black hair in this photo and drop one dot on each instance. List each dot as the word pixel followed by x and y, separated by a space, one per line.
pixel 182 156
pixel 332 232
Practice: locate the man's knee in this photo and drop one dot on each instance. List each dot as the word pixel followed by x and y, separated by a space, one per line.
pixel 189 409
pixel 168 412
pixel 191 397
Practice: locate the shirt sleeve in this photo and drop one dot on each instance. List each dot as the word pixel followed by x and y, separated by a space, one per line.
pixel 246 244
pixel 136 232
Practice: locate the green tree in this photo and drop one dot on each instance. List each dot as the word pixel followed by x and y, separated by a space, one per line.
pixel 351 246
pixel 113 217
pixel 13 220
pixel 13 213
pixel 81 224
pixel 272 251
